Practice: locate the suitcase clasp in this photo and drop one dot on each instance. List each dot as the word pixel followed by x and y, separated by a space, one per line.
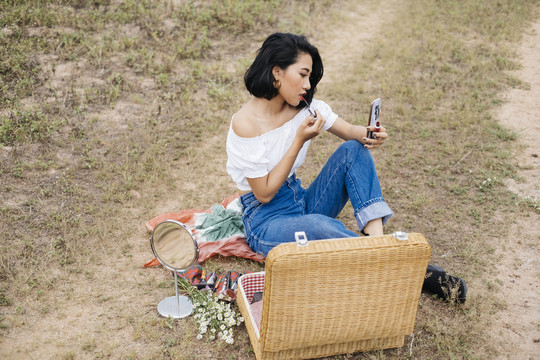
pixel 401 235
pixel 301 238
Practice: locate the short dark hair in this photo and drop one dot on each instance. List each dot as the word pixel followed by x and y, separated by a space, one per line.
pixel 281 49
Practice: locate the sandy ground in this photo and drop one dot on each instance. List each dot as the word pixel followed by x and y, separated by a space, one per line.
pixel 521 113
pixel 518 327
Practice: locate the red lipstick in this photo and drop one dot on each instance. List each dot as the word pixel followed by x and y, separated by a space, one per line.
pixel 309 108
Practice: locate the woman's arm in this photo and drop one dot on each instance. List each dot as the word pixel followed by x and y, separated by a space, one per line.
pixel 265 188
pixel 346 131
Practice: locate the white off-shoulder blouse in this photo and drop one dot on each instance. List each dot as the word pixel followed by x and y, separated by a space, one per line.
pixel 257 156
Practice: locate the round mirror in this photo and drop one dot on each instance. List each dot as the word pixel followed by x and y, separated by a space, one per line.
pixel 174 245
pixel 176 249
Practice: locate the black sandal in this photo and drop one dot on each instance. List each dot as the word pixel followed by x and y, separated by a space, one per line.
pixel 446 287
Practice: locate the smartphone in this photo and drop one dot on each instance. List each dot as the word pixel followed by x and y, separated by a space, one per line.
pixel 374 115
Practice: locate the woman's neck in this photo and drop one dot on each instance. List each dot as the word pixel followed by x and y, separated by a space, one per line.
pixel 274 108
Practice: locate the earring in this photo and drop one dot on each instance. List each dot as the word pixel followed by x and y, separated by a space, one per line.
pixel 277 84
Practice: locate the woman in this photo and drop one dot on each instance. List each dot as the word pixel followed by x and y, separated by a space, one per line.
pixel 268 140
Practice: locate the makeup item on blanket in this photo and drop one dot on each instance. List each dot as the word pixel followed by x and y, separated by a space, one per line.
pixel 231 292
pixel 233 285
pixel 202 284
pixel 228 279
pixel 233 278
pixel 211 280
pixel 221 284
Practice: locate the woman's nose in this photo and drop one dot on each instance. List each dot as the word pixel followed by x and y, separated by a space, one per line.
pixel 307 84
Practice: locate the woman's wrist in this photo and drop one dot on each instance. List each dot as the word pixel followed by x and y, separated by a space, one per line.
pixel 297 144
pixel 360 132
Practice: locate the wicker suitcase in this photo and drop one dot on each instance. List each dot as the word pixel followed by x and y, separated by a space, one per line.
pixel 335 296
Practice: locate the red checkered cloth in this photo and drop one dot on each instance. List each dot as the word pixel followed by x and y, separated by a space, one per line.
pixel 248 285
pixel 251 283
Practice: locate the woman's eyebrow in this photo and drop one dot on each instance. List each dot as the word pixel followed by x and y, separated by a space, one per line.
pixel 308 70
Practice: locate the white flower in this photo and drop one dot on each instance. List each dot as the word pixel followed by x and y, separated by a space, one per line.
pixel 214 317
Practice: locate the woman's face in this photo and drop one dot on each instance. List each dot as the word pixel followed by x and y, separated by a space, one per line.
pixel 295 79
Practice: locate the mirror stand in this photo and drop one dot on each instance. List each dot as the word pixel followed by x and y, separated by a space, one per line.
pixel 175 247
pixel 178 306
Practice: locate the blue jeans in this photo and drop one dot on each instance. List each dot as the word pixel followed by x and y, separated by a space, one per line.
pixel 349 174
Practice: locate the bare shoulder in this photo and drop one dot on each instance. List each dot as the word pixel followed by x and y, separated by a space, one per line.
pixel 244 122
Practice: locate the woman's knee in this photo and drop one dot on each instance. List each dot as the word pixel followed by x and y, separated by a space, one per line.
pixel 324 227
pixel 355 151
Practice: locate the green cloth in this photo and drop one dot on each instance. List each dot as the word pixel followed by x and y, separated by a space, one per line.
pixel 220 224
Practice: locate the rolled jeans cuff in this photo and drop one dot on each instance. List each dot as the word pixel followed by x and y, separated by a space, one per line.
pixel 373 211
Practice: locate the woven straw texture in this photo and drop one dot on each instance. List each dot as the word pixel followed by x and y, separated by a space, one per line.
pixel 339 296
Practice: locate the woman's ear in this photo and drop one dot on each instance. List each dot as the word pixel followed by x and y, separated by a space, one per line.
pixel 276 71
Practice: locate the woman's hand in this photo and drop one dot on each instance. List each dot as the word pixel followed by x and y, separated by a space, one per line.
pixel 265 187
pixel 380 136
pixel 310 127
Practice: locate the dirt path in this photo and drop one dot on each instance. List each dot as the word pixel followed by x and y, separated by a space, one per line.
pixel 518 327
pixel 521 113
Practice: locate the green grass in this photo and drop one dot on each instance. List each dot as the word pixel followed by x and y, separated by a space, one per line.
pixel 26 125
pixel 113 112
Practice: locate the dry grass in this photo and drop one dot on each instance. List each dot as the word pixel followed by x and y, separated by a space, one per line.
pixel 115 111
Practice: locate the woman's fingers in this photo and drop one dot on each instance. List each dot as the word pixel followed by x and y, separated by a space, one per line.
pixel 380 137
pixel 320 119
pixel 311 127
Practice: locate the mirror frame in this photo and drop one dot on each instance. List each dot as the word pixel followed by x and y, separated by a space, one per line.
pixel 160 259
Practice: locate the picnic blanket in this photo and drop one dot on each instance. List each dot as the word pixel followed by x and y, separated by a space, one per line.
pixel 217 230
